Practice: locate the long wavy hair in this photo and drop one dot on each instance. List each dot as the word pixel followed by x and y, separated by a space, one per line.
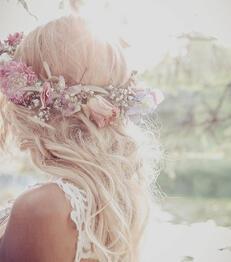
pixel 115 164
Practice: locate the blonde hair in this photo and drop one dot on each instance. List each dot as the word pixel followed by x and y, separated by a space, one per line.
pixel 111 164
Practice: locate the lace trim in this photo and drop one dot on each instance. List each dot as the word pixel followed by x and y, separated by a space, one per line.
pixel 5 211
pixel 78 200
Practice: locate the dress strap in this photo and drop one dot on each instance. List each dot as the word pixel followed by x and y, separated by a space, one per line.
pixel 78 200
pixel 5 211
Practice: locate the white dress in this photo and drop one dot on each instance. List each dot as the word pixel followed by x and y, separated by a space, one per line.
pixel 78 201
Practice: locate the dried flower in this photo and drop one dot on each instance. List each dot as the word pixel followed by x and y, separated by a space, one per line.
pixel 14 76
pixel 101 111
pixel 14 39
pixel 46 95
pixel 147 102
pixel 21 86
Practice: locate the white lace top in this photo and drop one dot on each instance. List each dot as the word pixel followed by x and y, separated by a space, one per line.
pixel 78 201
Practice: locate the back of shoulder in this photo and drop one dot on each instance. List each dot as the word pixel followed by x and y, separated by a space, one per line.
pixel 42 202
pixel 39 228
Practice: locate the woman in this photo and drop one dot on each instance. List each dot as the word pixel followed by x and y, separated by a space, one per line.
pixel 68 98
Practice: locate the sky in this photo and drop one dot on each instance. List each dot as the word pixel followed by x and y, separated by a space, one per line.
pixel 150 26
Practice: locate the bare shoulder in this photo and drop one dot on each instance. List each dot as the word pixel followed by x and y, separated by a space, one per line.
pixel 40 228
pixel 44 201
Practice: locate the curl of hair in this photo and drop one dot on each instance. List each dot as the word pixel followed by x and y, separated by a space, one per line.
pixel 113 164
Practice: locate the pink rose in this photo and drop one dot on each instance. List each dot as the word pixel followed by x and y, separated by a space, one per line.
pixel 101 111
pixel 46 95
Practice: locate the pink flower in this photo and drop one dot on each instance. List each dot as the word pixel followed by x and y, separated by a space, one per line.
pixel 14 39
pixel 46 95
pixel 16 70
pixel 101 111
pixel 8 68
pixel 12 88
pixel 12 82
pixel 13 67
pixel 30 75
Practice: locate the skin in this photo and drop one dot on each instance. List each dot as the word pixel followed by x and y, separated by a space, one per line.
pixel 40 228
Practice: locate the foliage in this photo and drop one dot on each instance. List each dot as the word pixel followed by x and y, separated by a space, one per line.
pixel 194 210
pixel 196 118
pixel 199 178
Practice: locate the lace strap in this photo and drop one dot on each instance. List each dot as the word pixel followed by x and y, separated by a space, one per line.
pixel 5 211
pixel 78 200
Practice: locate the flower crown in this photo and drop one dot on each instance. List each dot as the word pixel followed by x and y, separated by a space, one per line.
pixel 22 86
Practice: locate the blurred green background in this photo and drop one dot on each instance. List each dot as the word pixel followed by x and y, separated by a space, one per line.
pixel 195 129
